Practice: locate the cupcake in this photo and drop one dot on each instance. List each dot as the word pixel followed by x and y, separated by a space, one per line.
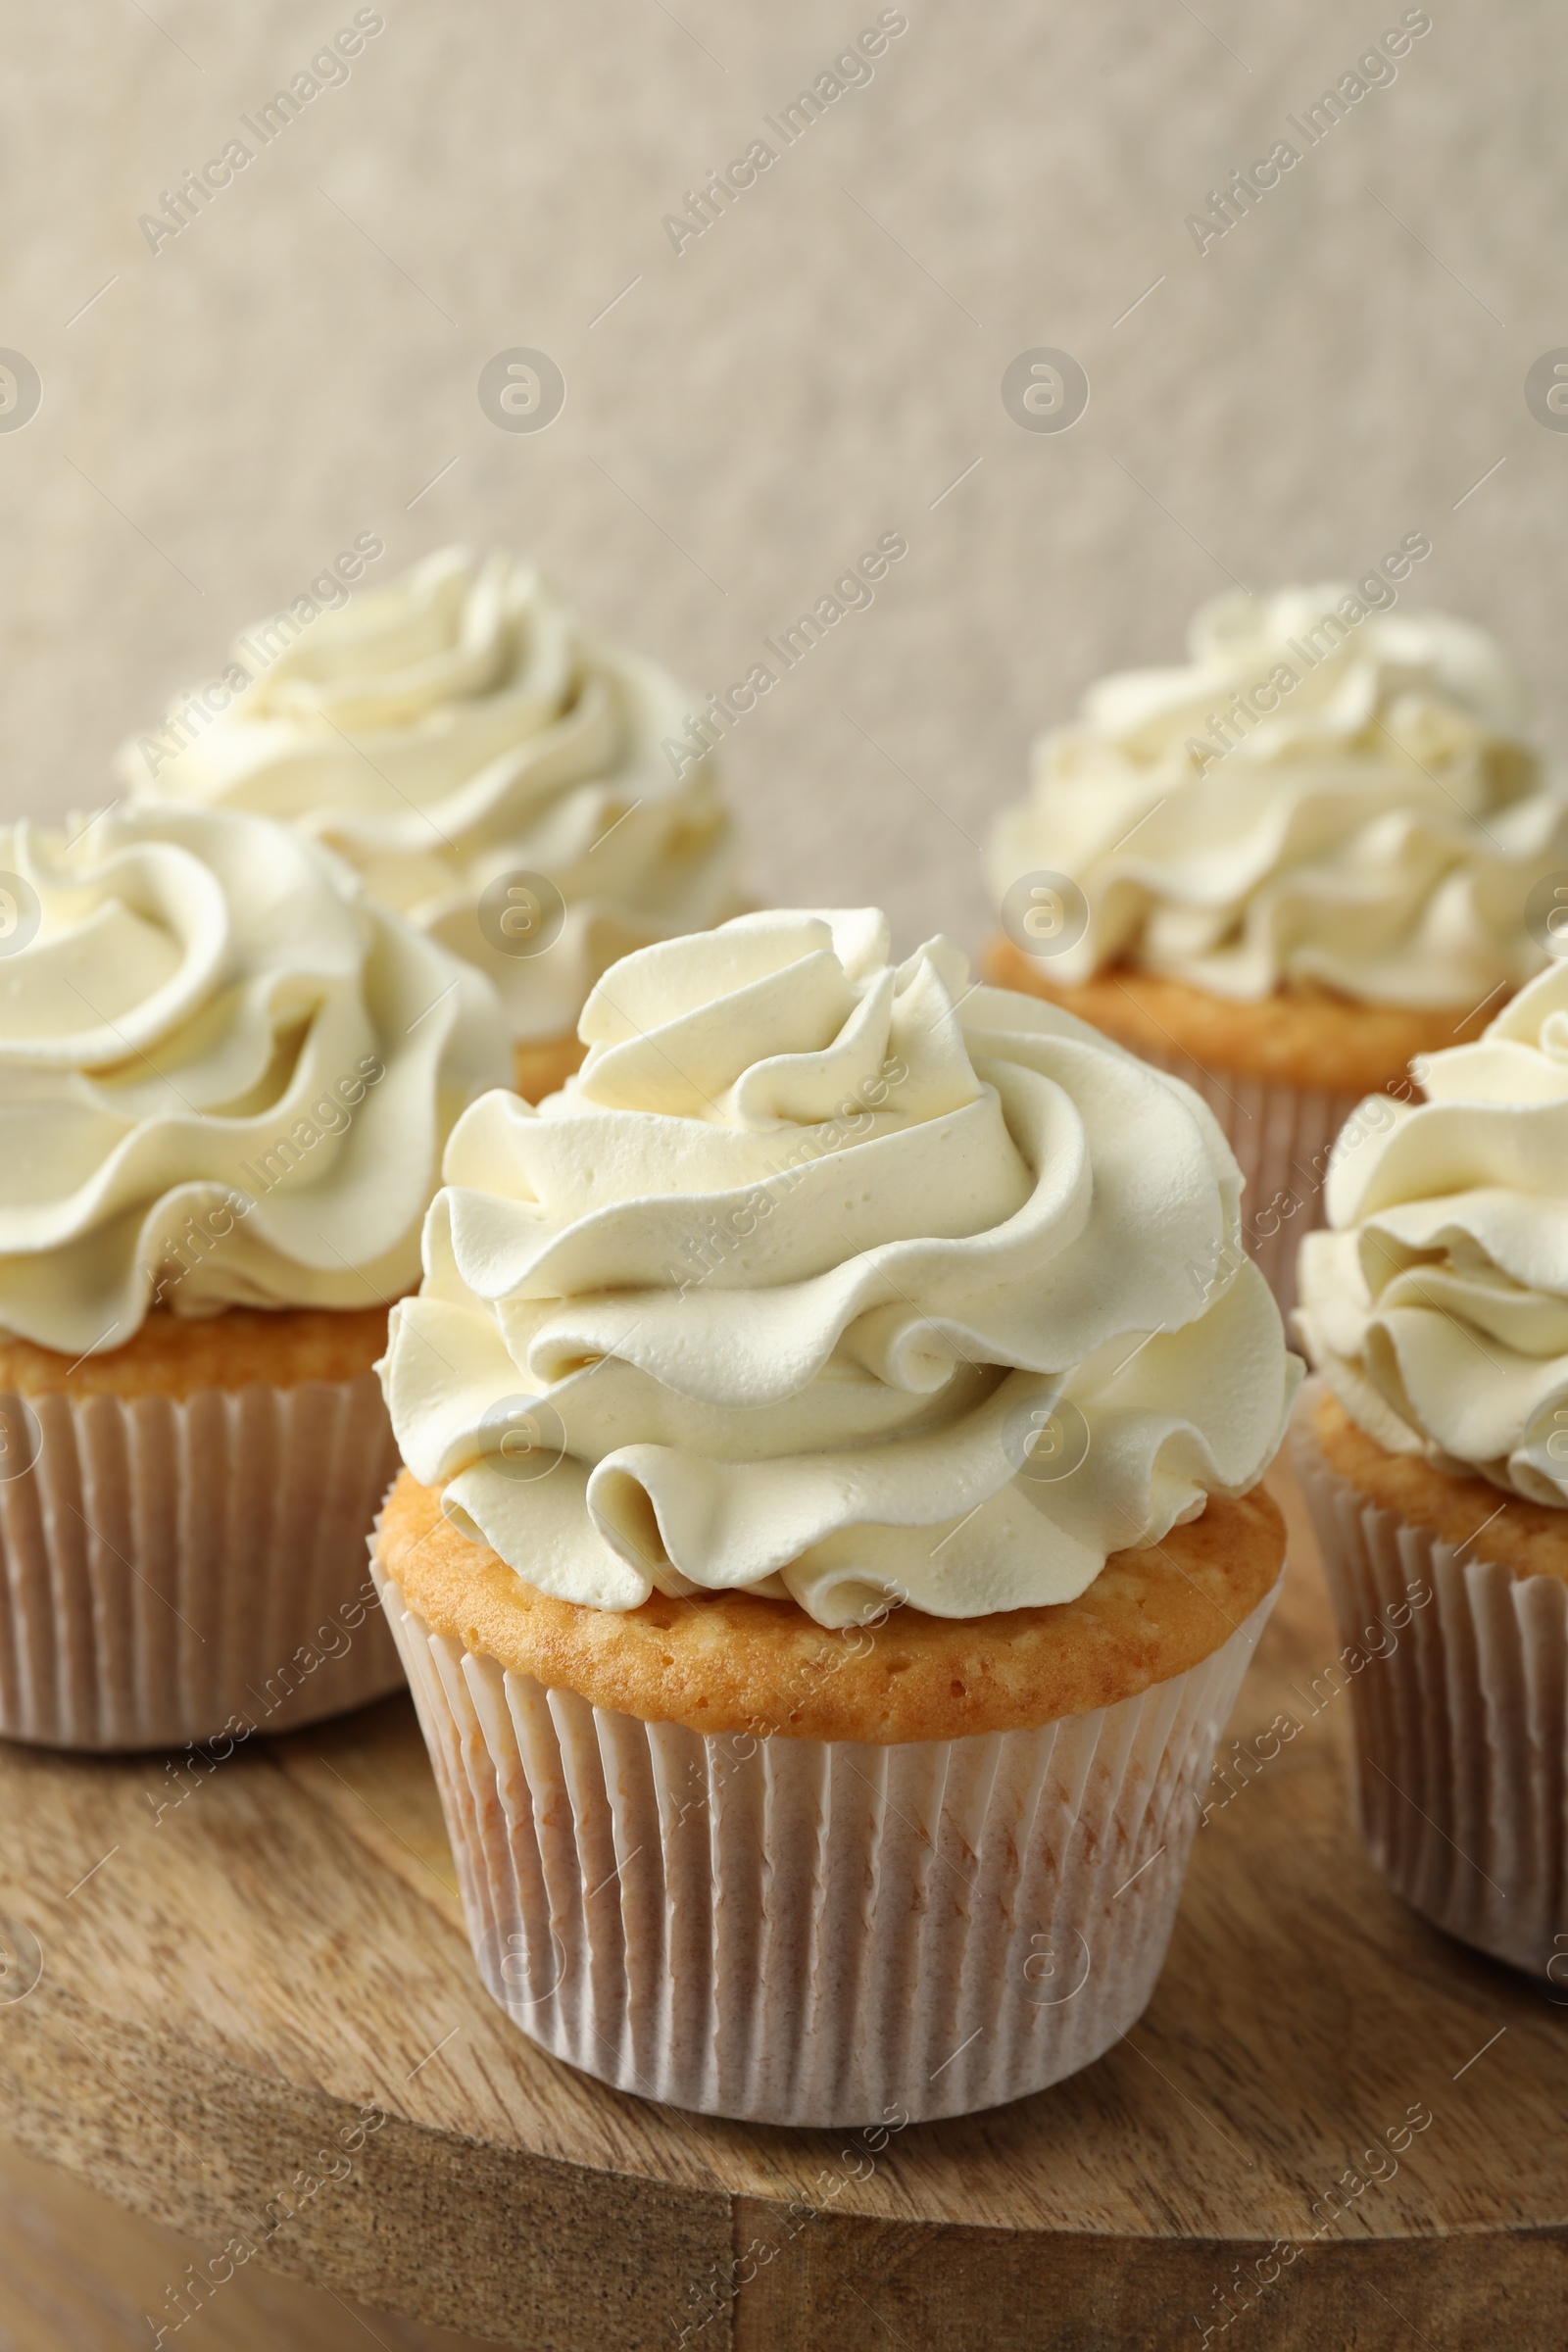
pixel 226 1081
pixel 830 1540
pixel 1289 869
pixel 537 801
pixel 1434 1449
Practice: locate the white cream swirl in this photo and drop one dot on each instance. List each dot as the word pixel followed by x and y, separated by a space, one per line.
pixel 1330 794
pixel 835 1280
pixel 458 726
pixel 1437 1307
pixel 225 1077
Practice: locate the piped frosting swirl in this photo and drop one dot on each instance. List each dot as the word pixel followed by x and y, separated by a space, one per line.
pixel 455 728
pixel 226 1076
pixel 835 1280
pixel 1330 794
pixel 1437 1305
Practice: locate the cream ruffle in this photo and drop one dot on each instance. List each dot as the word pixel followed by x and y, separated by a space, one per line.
pixel 459 727
pixel 1331 792
pixel 837 1280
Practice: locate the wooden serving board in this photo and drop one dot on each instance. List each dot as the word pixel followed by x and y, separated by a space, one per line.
pixel 270 1985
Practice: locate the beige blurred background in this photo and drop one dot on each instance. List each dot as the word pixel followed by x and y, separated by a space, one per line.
pixel 302 360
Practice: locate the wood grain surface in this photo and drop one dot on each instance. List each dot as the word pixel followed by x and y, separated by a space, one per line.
pixel 78 2274
pixel 269 1984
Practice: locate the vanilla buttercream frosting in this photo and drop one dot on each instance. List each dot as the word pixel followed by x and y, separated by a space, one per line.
pixel 1331 792
pixel 834 1280
pixel 225 1075
pixel 458 727
pixel 1437 1305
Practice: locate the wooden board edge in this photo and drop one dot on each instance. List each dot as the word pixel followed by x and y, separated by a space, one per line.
pixel 843 2284
pixel 406 2219
pixel 400 2216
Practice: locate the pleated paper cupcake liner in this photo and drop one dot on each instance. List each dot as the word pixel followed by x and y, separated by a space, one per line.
pixel 170 1569
pixel 1461 1727
pixel 808 1932
pixel 1281 1136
